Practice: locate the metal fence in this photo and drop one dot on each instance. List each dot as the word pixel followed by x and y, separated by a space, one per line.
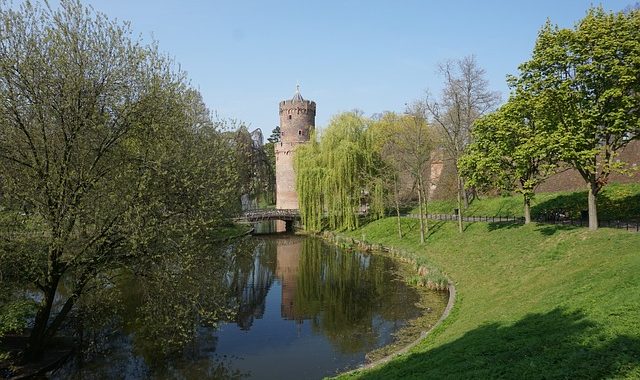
pixel 620 224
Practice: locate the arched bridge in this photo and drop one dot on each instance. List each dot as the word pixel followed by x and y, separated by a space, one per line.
pixel 261 215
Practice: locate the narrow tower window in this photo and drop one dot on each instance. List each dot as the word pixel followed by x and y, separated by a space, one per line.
pixel 289 117
pixel 299 132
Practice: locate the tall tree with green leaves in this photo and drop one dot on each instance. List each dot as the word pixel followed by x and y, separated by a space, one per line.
pixel 103 146
pixel 513 148
pixel 382 130
pixel 407 148
pixel 335 175
pixel 588 80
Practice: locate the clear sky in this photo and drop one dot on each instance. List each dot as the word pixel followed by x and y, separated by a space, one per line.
pixel 246 56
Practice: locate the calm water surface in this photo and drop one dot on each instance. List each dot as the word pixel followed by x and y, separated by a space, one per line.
pixel 278 307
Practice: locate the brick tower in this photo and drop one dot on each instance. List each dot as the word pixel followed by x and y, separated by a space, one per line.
pixel 297 121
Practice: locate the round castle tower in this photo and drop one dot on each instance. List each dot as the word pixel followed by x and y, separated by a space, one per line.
pixel 297 122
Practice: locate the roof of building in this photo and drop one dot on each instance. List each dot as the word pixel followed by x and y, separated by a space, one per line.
pixel 297 97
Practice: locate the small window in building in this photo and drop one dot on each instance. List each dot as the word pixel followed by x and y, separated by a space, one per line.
pixel 299 132
pixel 289 117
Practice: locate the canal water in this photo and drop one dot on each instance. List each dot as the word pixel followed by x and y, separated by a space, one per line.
pixel 275 307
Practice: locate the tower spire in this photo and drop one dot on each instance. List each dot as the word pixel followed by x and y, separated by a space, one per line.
pixel 297 96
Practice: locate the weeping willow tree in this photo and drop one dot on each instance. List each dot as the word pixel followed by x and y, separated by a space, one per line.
pixel 338 175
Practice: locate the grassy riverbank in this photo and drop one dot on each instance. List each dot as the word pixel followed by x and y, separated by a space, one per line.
pixel 536 301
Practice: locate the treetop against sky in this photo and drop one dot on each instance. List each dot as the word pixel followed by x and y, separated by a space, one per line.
pixel 246 56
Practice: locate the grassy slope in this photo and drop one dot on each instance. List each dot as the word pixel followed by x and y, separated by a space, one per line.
pixel 615 202
pixel 533 301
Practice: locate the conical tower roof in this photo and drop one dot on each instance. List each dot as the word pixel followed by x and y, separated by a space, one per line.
pixel 297 97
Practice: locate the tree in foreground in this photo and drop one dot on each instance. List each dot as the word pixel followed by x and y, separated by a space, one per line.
pixel 513 148
pixel 103 150
pixel 587 80
pixel 465 98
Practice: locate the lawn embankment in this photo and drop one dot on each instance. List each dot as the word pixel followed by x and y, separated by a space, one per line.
pixel 615 202
pixel 535 301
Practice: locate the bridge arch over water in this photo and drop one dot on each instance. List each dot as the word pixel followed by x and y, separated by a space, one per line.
pixel 289 216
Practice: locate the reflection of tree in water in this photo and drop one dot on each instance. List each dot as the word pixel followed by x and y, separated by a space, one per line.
pixel 346 294
pixel 176 297
pixel 168 309
pixel 250 281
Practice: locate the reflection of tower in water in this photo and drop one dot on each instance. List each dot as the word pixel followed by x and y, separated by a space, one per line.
pixel 289 251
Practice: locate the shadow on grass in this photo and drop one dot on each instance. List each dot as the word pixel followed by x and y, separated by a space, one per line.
pixel 493 226
pixel 613 204
pixel 551 229
pixel 466 225
pixel 435 227
pixel 557 344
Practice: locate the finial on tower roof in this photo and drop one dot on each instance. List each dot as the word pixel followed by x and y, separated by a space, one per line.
pixel 297 96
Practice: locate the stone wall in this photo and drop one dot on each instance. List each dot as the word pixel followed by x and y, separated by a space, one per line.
pixel 571 180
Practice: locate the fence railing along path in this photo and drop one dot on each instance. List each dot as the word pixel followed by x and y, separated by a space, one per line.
pixel 620 224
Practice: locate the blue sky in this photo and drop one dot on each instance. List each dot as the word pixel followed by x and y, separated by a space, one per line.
pixel 246 56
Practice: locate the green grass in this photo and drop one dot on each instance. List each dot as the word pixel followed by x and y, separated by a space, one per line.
pixel 536 301
pixel 615 202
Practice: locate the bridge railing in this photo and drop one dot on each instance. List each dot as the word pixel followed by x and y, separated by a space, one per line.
pixel 269 214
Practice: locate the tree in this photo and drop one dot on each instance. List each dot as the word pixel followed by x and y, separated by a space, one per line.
pixel 588 82
pixel 381 133
pixel 512 148
pixel 270 152
pixel 335 175
pixel 255 168
pixel 407 147
pixel 415 141
pixel 275 135
pixel 103 145
pixel 465 97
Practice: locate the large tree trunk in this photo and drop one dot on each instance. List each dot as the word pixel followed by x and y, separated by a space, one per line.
pixel 527 209
pixel 460 229
pixel 39 336
pixel 593 210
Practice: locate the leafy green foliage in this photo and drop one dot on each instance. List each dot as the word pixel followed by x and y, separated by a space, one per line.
pixel 586 83
pixel 105 152
pixel 513 148
pixel 406 144
pixel 335 175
